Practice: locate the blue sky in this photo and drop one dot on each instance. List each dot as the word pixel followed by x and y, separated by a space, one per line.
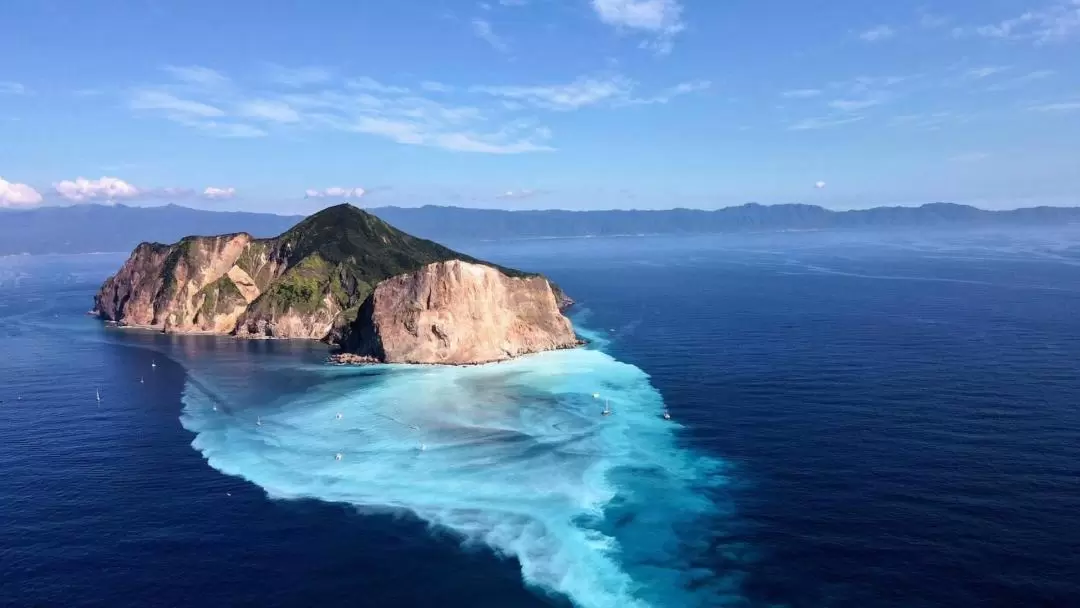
pixel 581 104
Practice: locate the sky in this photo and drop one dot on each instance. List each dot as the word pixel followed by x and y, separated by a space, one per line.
pixel 283 106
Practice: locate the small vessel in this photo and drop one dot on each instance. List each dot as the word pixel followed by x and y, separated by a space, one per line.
pixel 339 416
pixel 142 380
pixel 338 456
pixel 98 393
pixel 215 408
pixel 258 421
pixel 667 415
pixel 423 447
pixel 153 364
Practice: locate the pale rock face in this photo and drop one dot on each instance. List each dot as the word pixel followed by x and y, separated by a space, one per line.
pixel 198 286
pixel 457 313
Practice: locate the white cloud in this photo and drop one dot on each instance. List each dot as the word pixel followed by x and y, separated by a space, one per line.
pixel 563 97
pixel 1056 22
pixel 877 34
pixel 218 193
pixel 197 75
pixel 12 88
pixel 370 84
pixel 106 188
pixel 854 105
pixel 149 99
pixel 270 110
pixel 662 18
pixel 397 113
pixel 299 77
pixel 518 194
pixel 17 195
pixel 801 93
pixel 482 29
pixel 825 122
pixel 335 192
pixel 819 185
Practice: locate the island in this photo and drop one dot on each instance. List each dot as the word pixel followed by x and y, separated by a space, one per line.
pixel 345 277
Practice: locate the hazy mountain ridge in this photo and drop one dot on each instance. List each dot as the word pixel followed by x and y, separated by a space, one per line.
pixel 94 228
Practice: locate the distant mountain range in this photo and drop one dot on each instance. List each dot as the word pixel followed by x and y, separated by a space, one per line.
pixel 91 228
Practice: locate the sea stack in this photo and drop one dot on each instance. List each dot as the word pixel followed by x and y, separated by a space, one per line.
pixel 458 313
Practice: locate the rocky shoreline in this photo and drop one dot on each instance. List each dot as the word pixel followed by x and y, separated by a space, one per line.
pixel 343 359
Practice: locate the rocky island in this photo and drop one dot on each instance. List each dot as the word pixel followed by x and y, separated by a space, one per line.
pixel 345 277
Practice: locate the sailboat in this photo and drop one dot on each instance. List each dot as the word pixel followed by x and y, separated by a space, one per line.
pixel 153 364
pixel 98 393
pixel 607 408
pixel 667 415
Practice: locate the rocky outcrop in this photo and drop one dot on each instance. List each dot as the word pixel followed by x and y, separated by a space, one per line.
pixel 190 287
pixel 458 313
pixel 307 283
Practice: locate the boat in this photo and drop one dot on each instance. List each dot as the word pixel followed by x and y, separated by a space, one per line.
pixel 258 421
pixel 338 456
pixel 98 393
pixel 667 415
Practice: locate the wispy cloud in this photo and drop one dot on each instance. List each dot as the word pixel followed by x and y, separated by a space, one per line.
pixel 801 93
pixel 564 97
pixel 590 91
pixel 662 19
pixel 13 88
pixel 491 120
pixel 17 195
pixel 930 121
pixel 483 30
pixel 197 75
pixel 854 105
pixel 519 195
pixel 364 83
pixel 270 110
pixel 1060 106
pixel 335 192
pixel 1055 22
pixel 823 122
pixel 878 33
pixel 173 106
pixel 985 71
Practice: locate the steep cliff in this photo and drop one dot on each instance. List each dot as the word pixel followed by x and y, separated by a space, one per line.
pixel 458 313
pixel 306 283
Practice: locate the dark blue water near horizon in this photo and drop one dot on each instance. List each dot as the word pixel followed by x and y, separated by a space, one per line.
pixel 895 419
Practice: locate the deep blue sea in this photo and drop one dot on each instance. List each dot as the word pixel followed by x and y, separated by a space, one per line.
pixel 859 420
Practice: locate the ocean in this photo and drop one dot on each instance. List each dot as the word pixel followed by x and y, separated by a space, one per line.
pixel 864 420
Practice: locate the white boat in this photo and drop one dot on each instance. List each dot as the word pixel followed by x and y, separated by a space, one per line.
pixel 98 393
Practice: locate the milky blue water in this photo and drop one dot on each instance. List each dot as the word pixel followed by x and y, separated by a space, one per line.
pixel 859 420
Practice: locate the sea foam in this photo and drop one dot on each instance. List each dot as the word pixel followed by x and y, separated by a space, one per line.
pixel 516 456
